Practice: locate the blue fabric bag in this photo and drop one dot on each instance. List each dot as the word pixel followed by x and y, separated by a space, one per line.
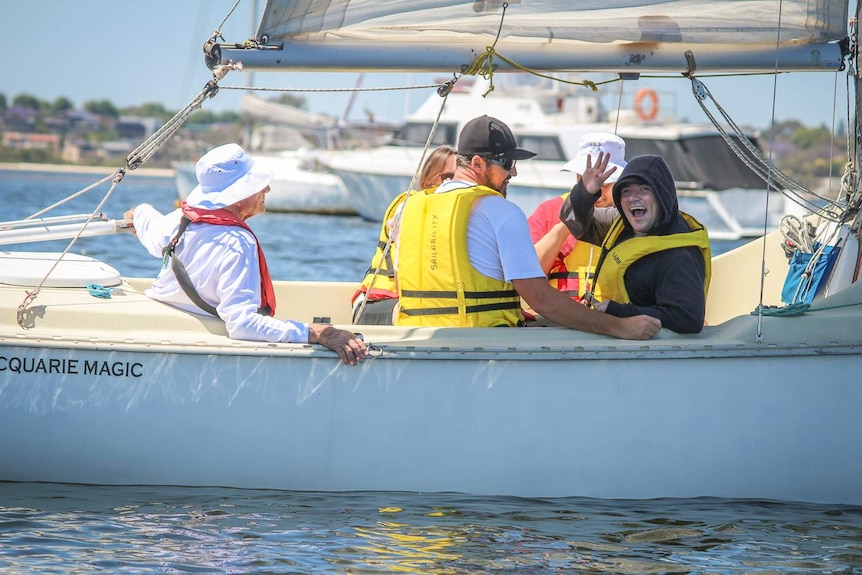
pixel 801 289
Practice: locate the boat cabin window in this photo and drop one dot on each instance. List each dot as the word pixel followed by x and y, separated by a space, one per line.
pixel 416 134
pixel 547 148
pixel 703 161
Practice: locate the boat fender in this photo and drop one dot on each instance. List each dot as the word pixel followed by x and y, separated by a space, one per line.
pixel 646 114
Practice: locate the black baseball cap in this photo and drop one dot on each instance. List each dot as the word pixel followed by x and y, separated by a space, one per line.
pixel 487 136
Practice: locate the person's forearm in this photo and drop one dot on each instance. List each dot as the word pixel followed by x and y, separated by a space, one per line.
pixel 562 310
pixel 549 246
pixel 580 317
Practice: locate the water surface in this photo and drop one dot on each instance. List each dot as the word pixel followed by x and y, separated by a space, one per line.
pixel 71 528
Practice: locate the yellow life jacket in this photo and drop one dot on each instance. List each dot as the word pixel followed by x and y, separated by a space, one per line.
pixel 616 259
pixel 437 285
pixel 384 284
pixel 575 274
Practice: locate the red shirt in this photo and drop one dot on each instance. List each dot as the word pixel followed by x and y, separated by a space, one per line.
pixel 546 216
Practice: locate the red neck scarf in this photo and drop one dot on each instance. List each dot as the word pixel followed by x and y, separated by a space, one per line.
pixel 223 217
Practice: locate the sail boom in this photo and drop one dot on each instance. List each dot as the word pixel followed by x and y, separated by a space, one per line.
pixel 615 58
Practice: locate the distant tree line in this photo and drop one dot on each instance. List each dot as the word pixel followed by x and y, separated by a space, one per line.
pixel 106 109
pixel 96 121
pixel 804 153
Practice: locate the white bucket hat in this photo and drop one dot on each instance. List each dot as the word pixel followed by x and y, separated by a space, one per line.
pixel 590 145
pixel 226 175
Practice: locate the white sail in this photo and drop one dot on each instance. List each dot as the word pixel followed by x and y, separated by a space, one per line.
pixel 588 35
pixel 256 109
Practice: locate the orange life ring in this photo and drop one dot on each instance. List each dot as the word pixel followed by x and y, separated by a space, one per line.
pixel 646 114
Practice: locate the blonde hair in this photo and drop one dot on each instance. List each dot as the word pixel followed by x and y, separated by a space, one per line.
pixel 431 174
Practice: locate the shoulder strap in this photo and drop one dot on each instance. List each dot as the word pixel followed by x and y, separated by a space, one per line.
pixel 186 283
pixel 168 250
pixel 180 272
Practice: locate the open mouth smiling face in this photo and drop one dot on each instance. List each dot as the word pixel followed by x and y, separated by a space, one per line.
pixel 640 207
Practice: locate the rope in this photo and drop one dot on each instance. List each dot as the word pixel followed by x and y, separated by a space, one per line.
pixel 850 191
pixel 151 145
pixel 796 309
pixel 483 64
pixel 790 310
pixel 797 235
pixel 217 33
pixel 444 91
pixel 71 196
pixel 135 159
pixel 752 157
pixel 31 295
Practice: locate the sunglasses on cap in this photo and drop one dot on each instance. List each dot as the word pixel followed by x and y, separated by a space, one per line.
pixel 505 163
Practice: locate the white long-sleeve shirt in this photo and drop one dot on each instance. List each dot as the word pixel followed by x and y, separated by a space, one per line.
pixel 223 266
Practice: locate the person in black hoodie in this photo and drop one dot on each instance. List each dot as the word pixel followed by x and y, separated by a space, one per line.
pixel 655 260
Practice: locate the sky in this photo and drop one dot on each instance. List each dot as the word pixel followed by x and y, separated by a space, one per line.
pixel 132 53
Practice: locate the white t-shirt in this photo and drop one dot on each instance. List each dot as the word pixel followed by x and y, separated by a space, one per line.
pixel 498 237
pixel 223 266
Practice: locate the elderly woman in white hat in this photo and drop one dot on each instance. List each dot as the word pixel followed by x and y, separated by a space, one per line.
pixel 217 265
pixel 569 267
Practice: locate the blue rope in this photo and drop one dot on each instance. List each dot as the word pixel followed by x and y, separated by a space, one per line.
pixel 97 290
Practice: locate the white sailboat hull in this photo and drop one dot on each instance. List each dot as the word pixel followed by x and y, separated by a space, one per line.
pixel 651 424
pixel 728 214
pixel 130 391
pixel 731 205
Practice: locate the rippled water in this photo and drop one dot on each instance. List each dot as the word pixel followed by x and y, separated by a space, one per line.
pixel 81 529
pixel 298 247
pixel 49 528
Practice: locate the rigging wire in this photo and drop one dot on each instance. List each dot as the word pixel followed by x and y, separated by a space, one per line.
pixel 619 108
pixel 392 236
pixel 134 160
pixel 752 157
pixel 217 33
pixel 798 236
pixel 759 330
pixel 31 295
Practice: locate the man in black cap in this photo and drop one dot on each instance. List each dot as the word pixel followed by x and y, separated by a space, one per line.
pixel 465 257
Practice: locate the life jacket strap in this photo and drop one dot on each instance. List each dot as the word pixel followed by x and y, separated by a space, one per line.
pixel 454 310
pixel 454 294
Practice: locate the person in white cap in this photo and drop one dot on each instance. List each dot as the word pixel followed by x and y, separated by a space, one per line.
pixel 217 265
pixel 570 263
pixel 464 256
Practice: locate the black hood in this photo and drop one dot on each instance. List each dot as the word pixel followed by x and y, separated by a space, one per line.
pixel 653 171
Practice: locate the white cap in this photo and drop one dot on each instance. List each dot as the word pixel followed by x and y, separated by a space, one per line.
pixel 590 146
pixel 226 175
